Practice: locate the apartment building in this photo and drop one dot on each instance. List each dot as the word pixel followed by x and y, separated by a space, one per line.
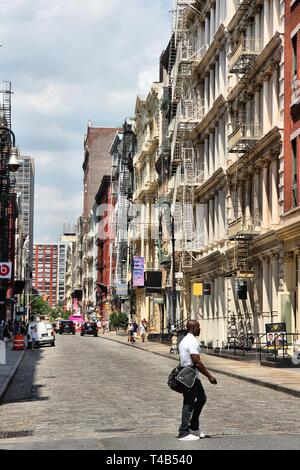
pixel 143 229
pixel 45 272
pixel 24 185
pixel 289 231
pixel 224 67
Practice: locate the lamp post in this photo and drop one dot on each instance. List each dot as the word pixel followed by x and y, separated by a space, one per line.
pixel 129 251
pixel 28 277
pixel 174 295
pixel 8 163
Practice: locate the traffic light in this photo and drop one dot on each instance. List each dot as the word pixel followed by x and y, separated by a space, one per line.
pixel 207 288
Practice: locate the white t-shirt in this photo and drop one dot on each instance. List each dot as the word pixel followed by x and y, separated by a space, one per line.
pixel 189 345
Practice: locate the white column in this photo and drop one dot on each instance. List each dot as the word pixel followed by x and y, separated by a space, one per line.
pixel 206 158
pixel 212 24
pixel 211 221
pixel 222 11
pixel 220 146
pixel 206 223
pixel 274 192
pixel 211 154
pixel 266 22
pixel 266 105
pixel 275 97
pixel 265 290
pixel 248 117
pixel 222 78
pixel 212 86
pixel 222 208
pixel 257 27
pixel 256 196
pixel 217 152
pixel 257 117
pixel 217 78
pixel 265 199
pixel 206 93
pixel 218 14
pixel 216 224
pixel 248 197
pixel 274 287
pixel 206 33
pixel 276 15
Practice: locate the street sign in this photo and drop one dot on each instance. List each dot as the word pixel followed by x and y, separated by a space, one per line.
pixel 179 275
pixel 5 270
pixel 197 289
pixel 245 274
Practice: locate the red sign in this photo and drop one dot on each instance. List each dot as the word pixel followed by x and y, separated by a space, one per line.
pixel 5 270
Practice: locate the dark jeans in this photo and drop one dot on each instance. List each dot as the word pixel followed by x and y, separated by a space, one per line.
pixel 193 402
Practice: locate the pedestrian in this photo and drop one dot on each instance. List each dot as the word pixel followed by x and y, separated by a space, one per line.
pixel 33 336
pixel 143 331
pixel 135 330
pixel 130 332
pixel 194 399
pixel 6 334
pixel 1 329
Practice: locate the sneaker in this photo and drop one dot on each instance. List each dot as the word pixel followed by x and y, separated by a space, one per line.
pixel 189 437
pixel 198 433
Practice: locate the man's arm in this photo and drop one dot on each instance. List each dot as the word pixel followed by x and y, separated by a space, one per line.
pixel 201 367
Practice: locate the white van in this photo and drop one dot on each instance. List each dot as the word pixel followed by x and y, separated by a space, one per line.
pixel 45 333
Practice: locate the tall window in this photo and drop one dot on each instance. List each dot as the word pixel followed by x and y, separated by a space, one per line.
pixel 295 58
pixel 295 175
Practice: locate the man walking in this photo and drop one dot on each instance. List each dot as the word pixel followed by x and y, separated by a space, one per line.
pixel 195 398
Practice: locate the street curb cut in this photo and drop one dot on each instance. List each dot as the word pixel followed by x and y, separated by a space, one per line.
pixel 262 383
pixel 7 381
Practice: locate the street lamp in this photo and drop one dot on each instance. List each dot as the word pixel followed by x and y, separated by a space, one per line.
pixel 28 277
pixel 129 251
pixel 14 152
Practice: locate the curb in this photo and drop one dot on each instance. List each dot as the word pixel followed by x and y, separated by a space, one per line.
pixel 8 379
pixel 262 383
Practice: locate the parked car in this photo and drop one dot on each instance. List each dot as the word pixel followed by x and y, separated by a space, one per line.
pixel 89 328
pixel 67 326
pixel 44 333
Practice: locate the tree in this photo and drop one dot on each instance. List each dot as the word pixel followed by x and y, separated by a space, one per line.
pixel 38 306
pixel 119 320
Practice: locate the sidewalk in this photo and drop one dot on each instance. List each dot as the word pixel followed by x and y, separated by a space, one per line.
pixel 7 371
pixel 283 380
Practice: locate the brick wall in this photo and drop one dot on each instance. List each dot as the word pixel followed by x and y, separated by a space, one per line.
pixel 97 164
pixel 291 115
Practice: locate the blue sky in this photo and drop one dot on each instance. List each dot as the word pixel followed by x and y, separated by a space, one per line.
pixel 70 61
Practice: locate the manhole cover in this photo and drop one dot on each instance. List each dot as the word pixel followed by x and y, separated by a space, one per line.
pixel 10 434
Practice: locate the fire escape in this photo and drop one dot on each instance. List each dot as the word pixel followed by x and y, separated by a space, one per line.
pixel 187 112
pixel 8 206
pixel 246 133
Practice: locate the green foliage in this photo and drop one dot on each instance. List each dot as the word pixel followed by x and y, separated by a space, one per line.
pixel 38 306
pixel 118 320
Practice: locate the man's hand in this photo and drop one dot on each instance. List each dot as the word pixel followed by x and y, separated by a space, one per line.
pixel 212 380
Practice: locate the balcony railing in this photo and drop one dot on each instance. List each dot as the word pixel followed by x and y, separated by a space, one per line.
pixel 244 54
pixel 244 137
pixel 244 226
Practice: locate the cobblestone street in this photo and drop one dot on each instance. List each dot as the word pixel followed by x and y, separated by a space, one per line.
pixel 107 395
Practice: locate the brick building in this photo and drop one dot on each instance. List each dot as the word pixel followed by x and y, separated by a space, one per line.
pixel 292 104
pixel 97 163
pixel 102 213
pixel 45 271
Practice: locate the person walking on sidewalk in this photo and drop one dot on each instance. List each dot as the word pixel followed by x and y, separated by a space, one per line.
pixel 195 398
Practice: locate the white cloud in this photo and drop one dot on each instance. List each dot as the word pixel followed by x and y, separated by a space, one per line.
pixel 70 61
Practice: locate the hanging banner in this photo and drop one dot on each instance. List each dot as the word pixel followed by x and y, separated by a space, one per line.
pixel 122 288
pixel 138 272
pixel 197 289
